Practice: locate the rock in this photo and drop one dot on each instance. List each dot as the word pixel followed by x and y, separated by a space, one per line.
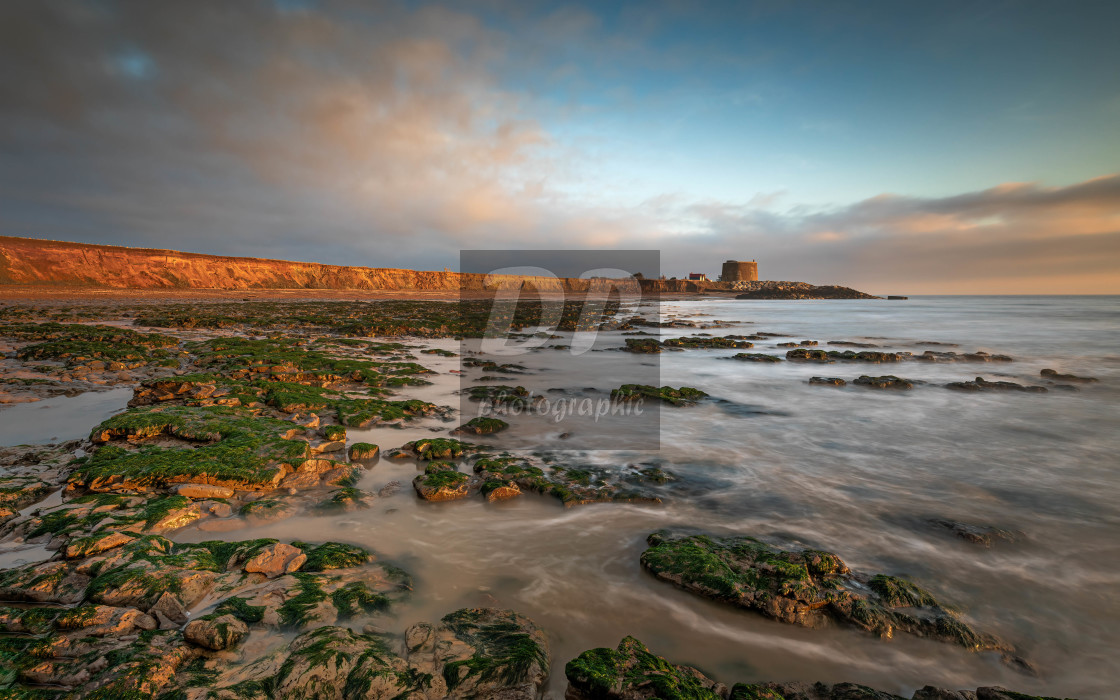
pixel 572 486
pixel 702 342
pixel 865 356
pixel 806 355
pixel 219 510
pixel 684 396
pixel 642 345
pixel 932 356
pixel 317 466
pixel 755 357
pixel 216 633
pixel 96 544
pixel 389 489
pixel 1053 375
pixel 329 446
pixel 276 560
pixel 48 582
pixel 829 381
pixel 362 450
pixel 633 672
pixel 481 653
pixel 169 612
pixel 981 384
pixel 202 491
pixel 931 693
pixel 345 500
pixel 804 588
pixel 437 448
pixel 481 426
pixel 442 484
pixel 885 382
pixel 976 534
pixel 501 492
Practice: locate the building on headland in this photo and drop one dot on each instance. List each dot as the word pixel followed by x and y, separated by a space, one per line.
pixel 697 277
pixel 735 271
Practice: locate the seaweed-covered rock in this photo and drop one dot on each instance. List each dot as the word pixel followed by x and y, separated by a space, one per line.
pixel 828 381
pixel 684 396
pixel 804 587
pixel 888 381
pixel 481 425
pixel 216 632
pixel 1056 376
pixel 346 499
pixel 472 653
pixel 981 384
pixel 442 482
pixel 865 356
pixel 275 560
pixel 506 477
pixel 504 398
pixel 633 672
pixel 976 534
pixel 646 346
pixel 807 355
pixel 438 448
pixel 706 342
pixel 227 447
pixel 481 653
pixel 360 451
pixel 334 662
pixel 978 356
pixel 755 357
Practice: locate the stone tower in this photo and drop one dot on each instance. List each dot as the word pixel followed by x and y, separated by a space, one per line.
pixel 735 271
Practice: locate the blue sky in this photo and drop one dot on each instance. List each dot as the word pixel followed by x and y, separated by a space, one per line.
pixel 876 144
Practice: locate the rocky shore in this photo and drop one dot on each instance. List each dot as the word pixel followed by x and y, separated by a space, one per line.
pixel 242 415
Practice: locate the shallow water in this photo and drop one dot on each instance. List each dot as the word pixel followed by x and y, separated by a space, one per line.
pixel 851 470
pixel 59 418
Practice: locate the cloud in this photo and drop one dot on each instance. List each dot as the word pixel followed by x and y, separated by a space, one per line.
pixel 1014 237
pixel 382 134
pixel 244 123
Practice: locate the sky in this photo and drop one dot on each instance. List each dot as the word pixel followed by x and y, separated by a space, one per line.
pixel 897 147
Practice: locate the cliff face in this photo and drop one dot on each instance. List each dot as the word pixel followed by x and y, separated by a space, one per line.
pixel 25 261
pixel 29 262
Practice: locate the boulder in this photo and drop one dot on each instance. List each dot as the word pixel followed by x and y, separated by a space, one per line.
pixel 888 381
pixel 216 633
pixel 96 544
pixel 276 560
pixel 202 491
